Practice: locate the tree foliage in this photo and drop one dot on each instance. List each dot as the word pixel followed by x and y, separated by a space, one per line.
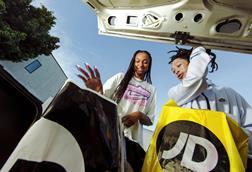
pixel 24 30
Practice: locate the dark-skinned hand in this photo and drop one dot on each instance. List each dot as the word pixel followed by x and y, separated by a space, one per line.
pixel 91 77
pixel 131 119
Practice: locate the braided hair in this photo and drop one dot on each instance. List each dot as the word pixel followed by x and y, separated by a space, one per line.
pixel 185 54
pixel 129 74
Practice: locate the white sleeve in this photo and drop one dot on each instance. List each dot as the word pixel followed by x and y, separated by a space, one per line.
pixel 152 107
pixel 246 121
pixel 111 84
pixel 195 81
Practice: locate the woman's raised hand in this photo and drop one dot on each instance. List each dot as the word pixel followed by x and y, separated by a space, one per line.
pixel 91 77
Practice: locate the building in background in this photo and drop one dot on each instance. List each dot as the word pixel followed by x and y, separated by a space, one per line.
pixel 42 76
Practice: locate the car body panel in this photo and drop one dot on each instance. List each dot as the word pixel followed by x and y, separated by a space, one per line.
pixel 218 24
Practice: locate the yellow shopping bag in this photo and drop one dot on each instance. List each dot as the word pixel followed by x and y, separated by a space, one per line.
pixel 196 140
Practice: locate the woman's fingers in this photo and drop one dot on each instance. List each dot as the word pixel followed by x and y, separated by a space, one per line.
pixel 97 73
pixel 128 122
pixel 125 118
pixel 84 73
pixel 90 70
pixel 81 77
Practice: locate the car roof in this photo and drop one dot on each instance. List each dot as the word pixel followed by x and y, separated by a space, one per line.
pixel 217 24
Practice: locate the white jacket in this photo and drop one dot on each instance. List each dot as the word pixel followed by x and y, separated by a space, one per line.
pixel 195 91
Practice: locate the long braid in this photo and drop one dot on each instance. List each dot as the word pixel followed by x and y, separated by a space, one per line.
pixel 213 63
pixel 147 76
pixel 125 81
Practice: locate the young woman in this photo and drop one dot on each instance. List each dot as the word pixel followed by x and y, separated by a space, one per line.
pixel 196 91
pixel 133 91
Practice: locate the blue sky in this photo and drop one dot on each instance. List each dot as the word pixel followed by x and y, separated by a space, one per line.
pixel 76 26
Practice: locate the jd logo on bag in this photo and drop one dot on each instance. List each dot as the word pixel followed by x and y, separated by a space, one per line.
pixel 196 140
